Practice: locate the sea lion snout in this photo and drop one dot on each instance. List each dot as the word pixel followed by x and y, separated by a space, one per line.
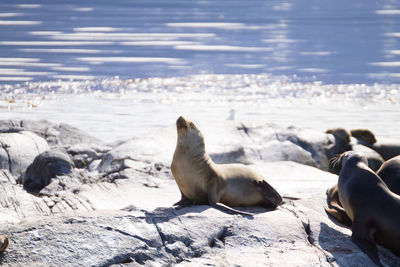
pixel 181 123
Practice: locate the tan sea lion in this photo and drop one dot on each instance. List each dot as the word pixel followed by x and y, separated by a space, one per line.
pixel 4 242
pixel 372 207
pixel 222 186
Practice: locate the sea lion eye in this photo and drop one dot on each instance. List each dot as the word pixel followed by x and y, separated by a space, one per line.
pixel 192 125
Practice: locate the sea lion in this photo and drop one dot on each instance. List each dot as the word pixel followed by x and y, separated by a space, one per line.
pixel 335 208
pixel 372 207
pixel 344 142
pixel 341 144
pixel 389 172
pixel 4 242
pixel 387 148
pixel 364 134
pixel 222 186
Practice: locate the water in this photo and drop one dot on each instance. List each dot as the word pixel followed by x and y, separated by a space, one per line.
pixel 329 41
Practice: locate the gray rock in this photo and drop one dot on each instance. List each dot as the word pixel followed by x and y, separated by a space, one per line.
pixel 10 126
pixel 59 134
pixel 18 149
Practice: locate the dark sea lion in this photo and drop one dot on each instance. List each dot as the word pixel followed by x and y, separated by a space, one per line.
pixel 387 148
pixel 4 242
pixel 389 172
pixel 344 142
pixel 372 207
pixel 375 160
pixel 341 144
pixel 222 186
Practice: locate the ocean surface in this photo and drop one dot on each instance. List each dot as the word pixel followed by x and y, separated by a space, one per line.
pixel 124 69
pixel 307 40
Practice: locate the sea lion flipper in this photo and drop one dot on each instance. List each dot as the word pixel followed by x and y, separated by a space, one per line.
pixel 361 237
pixel 213 201
pixel 222 207
pixel 339 214
pixel 272 197
pixel 4 242
pixel 183 202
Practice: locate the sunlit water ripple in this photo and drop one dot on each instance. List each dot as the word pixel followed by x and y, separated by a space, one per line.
pixel 333 42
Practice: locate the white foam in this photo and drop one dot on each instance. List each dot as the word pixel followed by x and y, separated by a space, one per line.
pixel 41 33
pixel 19 22
pixel 84 9
pixel 393 34
pixel 68 51
pixel 226 48
pixel 29 6
pixel 388 12
pixel 223 25
pixel 18 59
pixel 8 15
pixel 84 36
pixel 313 70
pixel 157 43
pixel 279 40
pixel 77 69
pixel 22 72
pixel 316 53
pixel 96 29
pixel 15 79
pixel 74 77
pixel 29 64
pixel 53 43
pixel 246 66
pixel 97 60
pixel 386 64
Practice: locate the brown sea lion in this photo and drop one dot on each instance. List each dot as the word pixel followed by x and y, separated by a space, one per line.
pixel 387 148
pixel 364 134
pixel 222 186
pixel 4 242
pixel 372 207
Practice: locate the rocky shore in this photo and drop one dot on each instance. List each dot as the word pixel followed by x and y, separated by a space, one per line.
pixel 67 198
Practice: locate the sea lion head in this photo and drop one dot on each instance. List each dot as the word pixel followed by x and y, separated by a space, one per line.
pixel 364 135
pixel 340 133
pixel 188 134
pixel 352 157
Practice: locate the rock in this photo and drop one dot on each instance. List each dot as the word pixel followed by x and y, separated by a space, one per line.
pixel 83 155
pixel 18 149
pixel 59 134
pixel 80 218
pixel 7 177
pixel 286 151
pixel 10 126
pixel 48 166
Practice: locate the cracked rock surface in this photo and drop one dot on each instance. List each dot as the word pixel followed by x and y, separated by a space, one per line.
pixel 110 204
